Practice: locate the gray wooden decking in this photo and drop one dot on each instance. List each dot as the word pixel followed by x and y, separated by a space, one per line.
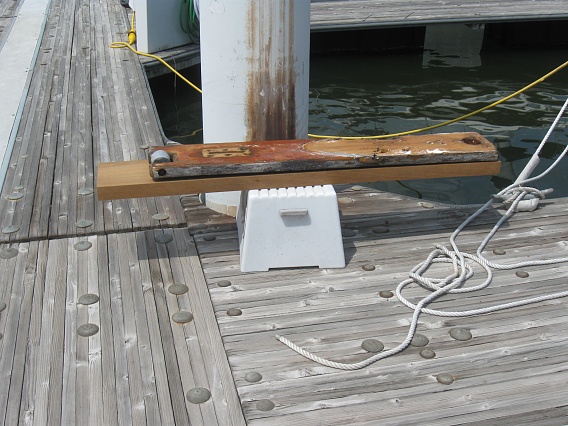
pixel 512 372
pixel 340 14
pixel 333 15
pixel 139 365
pixel 88 103
pixel 8 10
pixel 79 111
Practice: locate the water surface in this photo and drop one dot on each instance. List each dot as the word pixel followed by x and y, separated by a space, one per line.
pixel 367 95
pixel 370 94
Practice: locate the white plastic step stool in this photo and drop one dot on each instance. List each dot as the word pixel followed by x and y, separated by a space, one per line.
pixel 290 227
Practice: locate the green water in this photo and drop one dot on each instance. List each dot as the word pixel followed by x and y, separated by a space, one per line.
pixel 369 94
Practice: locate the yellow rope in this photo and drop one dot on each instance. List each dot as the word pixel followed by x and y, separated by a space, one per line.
pixel 132 39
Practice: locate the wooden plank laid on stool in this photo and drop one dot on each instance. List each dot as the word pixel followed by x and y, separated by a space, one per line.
pixel 130 179
pixel 323 154
pixel 277 164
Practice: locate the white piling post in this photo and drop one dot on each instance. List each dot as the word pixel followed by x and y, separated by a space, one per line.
pixel 255 74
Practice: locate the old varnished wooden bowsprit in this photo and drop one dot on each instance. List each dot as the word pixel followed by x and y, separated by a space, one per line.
pixel 275 164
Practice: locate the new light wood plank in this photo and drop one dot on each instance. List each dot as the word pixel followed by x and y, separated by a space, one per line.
pixel 132 180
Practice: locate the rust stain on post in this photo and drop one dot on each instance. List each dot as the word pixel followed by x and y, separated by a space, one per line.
pixel 271 83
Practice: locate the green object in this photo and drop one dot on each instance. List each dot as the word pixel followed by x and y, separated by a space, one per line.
pixel 188 20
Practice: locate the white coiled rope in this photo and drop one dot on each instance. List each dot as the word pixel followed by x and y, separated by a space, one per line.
pixel 462 263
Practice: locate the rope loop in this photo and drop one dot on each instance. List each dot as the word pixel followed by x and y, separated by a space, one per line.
pixel 462 268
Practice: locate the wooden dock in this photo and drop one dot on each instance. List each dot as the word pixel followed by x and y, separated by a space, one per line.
pixel 327 15
pixel 8 11
pixel 122 356
pixel 511 372
pixel 338 15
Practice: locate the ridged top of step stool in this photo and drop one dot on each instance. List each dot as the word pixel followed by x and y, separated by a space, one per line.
pixel 301 191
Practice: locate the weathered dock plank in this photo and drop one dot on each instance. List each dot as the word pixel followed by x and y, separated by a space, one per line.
pixel 8 12
pixel 129 370
pixel 337 15
pixel 88 103
pixel 330 312
pixel 79 112
pixel 340 14
pixel 120 180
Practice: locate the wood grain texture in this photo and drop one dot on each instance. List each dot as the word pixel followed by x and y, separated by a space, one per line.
pixel 337 14
pixel 88 103
pixel 140 364
pixel 132 180
pixel 8 13
pixel 325 154
pixel 333 15
pixel 513 366
pixel 78 112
